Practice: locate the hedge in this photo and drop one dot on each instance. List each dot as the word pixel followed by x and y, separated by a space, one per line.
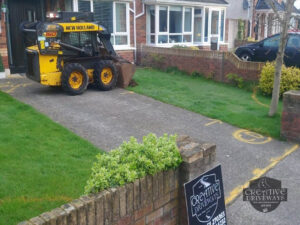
pixel 133 160
pixel 290 78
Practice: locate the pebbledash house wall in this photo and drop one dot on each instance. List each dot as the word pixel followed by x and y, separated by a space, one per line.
pixel 213 64
pixel 152 200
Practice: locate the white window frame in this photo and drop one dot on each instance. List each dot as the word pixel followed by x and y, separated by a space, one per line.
pixel 148 26
pixel 192 24
pixel 202 26
pixel 127 33
pixel 114 33
pixel 192 43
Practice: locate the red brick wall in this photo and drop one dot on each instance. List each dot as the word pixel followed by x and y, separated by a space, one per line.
pixel 213 64
pixel 205 48
pixel 126 54
pixel 140 23
pixel 3 43
pixel 223 48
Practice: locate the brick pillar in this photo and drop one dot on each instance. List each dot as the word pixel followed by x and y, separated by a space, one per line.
pixel 3 42
pixel 197 159
pixel 290 122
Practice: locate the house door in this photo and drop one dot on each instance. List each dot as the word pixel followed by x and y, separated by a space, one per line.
pixel 19 11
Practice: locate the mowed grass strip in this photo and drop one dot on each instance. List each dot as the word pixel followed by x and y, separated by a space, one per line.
pixel 42 164
pixel 215 100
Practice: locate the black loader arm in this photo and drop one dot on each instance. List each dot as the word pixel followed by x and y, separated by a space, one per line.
pixel 28 32
pixel 105 39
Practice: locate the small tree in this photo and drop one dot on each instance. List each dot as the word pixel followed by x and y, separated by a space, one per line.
pixel 285 24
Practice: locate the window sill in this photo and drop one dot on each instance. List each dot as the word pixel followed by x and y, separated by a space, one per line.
pixel 123 48
pixel 182 44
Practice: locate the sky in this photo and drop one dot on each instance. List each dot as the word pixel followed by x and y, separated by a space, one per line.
pixel 297 4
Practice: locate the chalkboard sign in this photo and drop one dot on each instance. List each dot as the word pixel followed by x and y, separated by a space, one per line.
pixel 205 199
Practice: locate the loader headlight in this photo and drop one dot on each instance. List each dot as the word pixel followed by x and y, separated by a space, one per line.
pixel 53 15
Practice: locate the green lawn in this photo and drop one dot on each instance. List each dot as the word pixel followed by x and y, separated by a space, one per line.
pixel 209 98
pixel 42 164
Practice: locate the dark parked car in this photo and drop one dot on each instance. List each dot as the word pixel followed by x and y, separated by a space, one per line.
pixel 266 50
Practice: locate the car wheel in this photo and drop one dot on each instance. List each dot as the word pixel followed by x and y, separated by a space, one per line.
pixel 246 57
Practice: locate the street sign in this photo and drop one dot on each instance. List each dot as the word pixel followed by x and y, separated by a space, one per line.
pixel 205 199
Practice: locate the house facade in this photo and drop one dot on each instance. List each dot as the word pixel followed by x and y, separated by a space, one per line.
pixel 163 23
pixel 239 20
pixel 265 22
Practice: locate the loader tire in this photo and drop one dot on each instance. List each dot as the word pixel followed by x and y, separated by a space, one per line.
pixel 74 79
pixel 105 75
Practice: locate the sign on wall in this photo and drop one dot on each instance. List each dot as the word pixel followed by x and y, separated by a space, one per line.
pixel 205 199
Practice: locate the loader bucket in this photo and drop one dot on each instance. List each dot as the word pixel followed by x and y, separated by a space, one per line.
pixel 126 71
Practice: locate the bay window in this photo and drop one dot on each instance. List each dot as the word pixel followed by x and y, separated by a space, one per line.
pixel 198 25
pixel 206 25
pixel 150 28
pixel 214 23
pixel 175 24
pixel 163 25
pixel 171 25
pixel 222 25
pixel 114 16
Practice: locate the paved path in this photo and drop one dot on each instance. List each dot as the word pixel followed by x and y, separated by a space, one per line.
pixel 108 118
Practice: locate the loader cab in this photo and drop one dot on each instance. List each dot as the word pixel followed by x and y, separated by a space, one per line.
pixel 70 51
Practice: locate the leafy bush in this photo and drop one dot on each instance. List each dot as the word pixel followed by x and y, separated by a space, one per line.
pixel 133 160
pixel 290 79
pixel 172 69
pixel 250 85
pixel 154 60
pixel 1 65
pixel 235 79
pixel 251 39
pixel 197 74
pixel 185 47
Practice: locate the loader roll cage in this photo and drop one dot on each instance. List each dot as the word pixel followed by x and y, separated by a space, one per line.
pixel 70 39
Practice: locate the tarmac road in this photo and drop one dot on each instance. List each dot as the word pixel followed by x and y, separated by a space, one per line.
pixel 108 118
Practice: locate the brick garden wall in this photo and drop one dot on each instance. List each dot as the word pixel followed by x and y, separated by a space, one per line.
pixel 126 54
pixel 153 200
pixel 290 120
pixel 214 64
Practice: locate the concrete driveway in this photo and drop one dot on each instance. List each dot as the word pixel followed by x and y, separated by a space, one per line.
pixel 108 118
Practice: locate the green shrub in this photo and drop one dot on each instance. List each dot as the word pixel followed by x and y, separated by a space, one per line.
pixel 133 160
pixel 157 60
pixel 197 74
pixel 235 79
pixel 172 69
pixel 250 85
pixel 290 79
pixel 1 65
pixel 185 47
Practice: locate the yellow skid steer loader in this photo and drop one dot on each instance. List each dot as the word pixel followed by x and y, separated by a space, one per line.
pixel 72 51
